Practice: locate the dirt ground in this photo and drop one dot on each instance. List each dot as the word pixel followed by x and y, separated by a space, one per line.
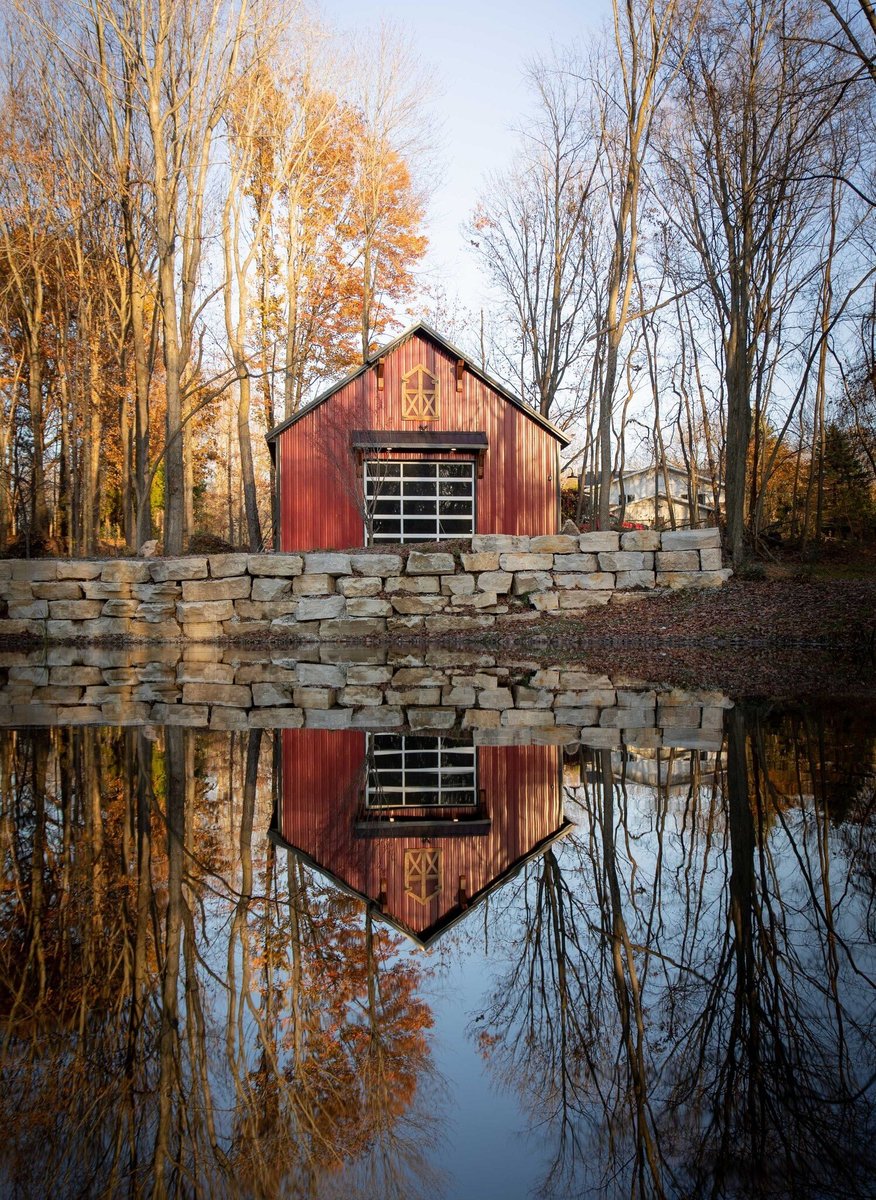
pixel 765 612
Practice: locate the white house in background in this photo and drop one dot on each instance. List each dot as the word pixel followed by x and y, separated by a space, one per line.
pixel 650 768
pixel 647 501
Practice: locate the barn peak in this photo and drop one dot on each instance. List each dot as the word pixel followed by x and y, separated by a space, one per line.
pixel 418 444
pixel 424 330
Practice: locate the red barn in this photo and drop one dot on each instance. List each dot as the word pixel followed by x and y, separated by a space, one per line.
pixel 417 445
pixel 421 827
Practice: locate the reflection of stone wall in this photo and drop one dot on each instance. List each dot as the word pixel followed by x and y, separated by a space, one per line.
pixel 360 594
pixel 347 687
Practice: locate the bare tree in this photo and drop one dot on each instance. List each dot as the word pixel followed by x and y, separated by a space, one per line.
pixel 531 232
pixel 186 60
pixel 744 158
pixel 242 240
pixel 857 23
pixel 27 246
pixel 643 33
pixel 392 175
pixel 112 144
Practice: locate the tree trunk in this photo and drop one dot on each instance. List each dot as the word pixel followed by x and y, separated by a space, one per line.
pixel 606 399
pixel 236 304
pixel 142 374
pixel 366 295
pixel 91 496
pixel 174 471
pixel 821 379
pixel 5 487
pixel 738 424
pixel 229 479
pixel 65 528
pixel 39 508
pixel 247 470
pixel 188 481
pixel 127 498
pixel 291 373
pixel 166 238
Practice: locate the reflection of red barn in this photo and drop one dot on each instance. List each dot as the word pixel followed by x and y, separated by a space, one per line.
pixel 423 867
pixel 477 459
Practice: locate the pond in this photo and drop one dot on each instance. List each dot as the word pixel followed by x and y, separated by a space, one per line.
pixel 624 945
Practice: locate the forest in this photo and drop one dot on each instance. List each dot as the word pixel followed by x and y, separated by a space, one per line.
pixel 210 210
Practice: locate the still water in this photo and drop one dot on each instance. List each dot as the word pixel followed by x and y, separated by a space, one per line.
pixel 482 962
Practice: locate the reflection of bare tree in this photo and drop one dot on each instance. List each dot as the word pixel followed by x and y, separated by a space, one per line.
pixel 399 1091
pixel 785 1038
pixel 165 1156
pixel 688 1006
pixel 543 1015
pixel 65 1063
pixel 117 964
pixel 24 975
pixel 647 1166
pixel 138 768
pixel 569 1019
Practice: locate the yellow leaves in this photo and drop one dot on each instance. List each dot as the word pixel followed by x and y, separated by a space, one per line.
pixel 340 220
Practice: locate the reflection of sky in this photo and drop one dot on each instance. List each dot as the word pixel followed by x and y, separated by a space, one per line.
pixel 486 1152
pixel 474 53
pixel 496 1149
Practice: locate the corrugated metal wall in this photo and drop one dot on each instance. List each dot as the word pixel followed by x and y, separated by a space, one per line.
pixel 319 484
pixel 323 771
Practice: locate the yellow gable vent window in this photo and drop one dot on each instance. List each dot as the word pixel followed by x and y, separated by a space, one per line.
pixel 422 874
pixel 419 395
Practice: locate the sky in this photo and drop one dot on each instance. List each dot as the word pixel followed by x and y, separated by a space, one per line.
pixel 475 53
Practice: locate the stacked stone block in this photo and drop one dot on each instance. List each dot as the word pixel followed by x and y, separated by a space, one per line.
pixel 330 596
pixel 341 687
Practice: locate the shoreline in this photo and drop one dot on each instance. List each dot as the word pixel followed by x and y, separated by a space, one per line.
pixel 742 615
pixel 752 640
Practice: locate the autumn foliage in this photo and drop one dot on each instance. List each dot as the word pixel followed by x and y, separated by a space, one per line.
pixel 127 227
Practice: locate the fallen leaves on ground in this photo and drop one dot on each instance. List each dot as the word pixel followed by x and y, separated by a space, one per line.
pixel 763 612
pixel 773 638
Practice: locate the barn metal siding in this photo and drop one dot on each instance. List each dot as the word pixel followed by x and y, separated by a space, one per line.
pixel 322 777
pixel 322 774
pixel 318 473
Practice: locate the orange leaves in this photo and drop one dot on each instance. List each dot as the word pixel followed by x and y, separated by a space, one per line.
pixel 339 217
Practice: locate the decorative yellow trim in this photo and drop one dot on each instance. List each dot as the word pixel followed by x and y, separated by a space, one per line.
pixel 423 874
pixel 420 399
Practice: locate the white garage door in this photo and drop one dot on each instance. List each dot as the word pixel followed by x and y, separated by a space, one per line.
pixel 422 501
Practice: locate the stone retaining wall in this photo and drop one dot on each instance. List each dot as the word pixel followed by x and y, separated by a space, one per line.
pixel 348 595
pixel 343 687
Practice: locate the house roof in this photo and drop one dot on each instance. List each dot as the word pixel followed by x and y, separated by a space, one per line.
pixel 657 469
pixel 651 469
pixel 592 477
pixel 433 335
pixel 707 505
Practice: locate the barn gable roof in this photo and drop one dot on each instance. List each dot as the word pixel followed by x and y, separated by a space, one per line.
pixel 427 937
pixel 382 352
